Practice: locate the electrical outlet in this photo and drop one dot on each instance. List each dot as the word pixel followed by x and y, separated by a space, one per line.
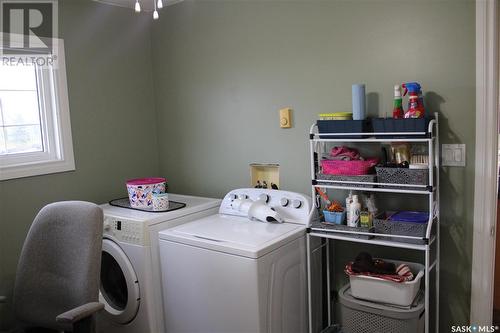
pixel 453 155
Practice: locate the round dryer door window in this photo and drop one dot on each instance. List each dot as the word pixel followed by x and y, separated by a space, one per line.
pixel 119 288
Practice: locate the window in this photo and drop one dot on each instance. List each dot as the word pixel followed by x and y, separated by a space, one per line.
pixel 35 132
pixel 19 110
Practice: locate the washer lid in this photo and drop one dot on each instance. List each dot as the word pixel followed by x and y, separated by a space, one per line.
pixel 234 235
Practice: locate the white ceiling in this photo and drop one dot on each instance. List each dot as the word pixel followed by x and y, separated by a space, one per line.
pixel 146 5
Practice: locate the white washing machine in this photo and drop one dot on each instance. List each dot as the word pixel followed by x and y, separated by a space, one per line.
pixel 130 285
pixel 226 273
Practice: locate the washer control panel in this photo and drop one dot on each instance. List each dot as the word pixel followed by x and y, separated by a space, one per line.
pixel 293 207
pixel 125 230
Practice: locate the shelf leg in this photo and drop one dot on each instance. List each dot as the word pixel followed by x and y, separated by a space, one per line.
pixel 438 227
pixel 309 293
pixel 427 287
pixel 328 283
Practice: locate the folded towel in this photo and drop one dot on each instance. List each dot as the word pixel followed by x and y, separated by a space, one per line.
pixel 404 273
pixel 364 264
pixel 345 153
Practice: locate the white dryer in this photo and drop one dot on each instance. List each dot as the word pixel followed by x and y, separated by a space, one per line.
pixel 130 285
pixel 226 273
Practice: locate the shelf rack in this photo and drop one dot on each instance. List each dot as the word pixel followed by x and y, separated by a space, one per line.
pixel 430 244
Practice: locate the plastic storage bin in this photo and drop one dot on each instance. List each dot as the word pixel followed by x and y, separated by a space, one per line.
pixel 384 291
pixel 334 217
pixel 357 316
pixel 384 224
pixel 343 126
pixel 390 125
pixel 141 190
pixel 388 223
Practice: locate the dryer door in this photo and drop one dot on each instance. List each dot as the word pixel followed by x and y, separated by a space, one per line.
pixel 119 287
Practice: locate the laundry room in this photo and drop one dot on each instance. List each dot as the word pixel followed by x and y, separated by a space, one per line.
pixel 245 165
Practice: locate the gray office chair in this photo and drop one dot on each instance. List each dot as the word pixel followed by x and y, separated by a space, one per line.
pixel 57 281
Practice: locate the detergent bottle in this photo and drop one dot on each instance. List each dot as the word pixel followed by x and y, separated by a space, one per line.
pixel 415 100
pixel 397 111
pixel 355 209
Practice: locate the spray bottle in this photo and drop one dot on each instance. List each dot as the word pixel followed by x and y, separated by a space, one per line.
pixel 415 101
pixel 398 112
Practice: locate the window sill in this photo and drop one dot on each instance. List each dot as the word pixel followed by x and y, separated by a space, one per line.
pixel 36 169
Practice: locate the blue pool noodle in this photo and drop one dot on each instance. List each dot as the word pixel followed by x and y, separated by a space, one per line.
pixel 358 102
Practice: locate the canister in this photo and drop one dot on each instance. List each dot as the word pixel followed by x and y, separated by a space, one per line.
pixel 160 201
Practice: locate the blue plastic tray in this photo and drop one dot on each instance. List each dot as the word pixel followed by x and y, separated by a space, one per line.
pixel 412 217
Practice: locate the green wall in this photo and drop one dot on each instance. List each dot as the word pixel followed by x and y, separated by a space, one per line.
pixel 223 69
pixel 108 59
pixel 218 72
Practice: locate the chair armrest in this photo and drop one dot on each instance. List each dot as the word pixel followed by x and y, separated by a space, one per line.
pixel 74 315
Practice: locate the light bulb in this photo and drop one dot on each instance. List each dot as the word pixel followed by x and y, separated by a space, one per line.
pixel 156 15
pixel 160 4
pixel 137 7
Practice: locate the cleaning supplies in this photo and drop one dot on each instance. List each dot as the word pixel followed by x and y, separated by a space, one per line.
pixel 397 111
pixel 415 101
pixel 365 220
pixel 324 196
pixel 355 209
pixel 370 205
pixel 348 202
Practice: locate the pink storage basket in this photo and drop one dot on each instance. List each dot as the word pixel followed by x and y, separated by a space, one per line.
pixel 348 168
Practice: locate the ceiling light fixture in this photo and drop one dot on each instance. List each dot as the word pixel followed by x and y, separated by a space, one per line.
pixel 157 4
pixel 155 13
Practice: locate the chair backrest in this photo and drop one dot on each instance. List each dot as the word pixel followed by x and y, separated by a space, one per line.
pixel 60 263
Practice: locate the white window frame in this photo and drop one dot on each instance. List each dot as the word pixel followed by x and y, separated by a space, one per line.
pixel 55 127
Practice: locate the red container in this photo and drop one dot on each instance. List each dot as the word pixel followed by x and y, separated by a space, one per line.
pixel 348 168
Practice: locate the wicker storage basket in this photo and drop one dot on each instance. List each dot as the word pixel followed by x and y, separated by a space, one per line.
pixel 402 176
pixel 383 225
pixel 357 316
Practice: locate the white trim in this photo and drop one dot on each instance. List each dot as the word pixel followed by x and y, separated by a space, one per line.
pixel 60 157
pixel 485 192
